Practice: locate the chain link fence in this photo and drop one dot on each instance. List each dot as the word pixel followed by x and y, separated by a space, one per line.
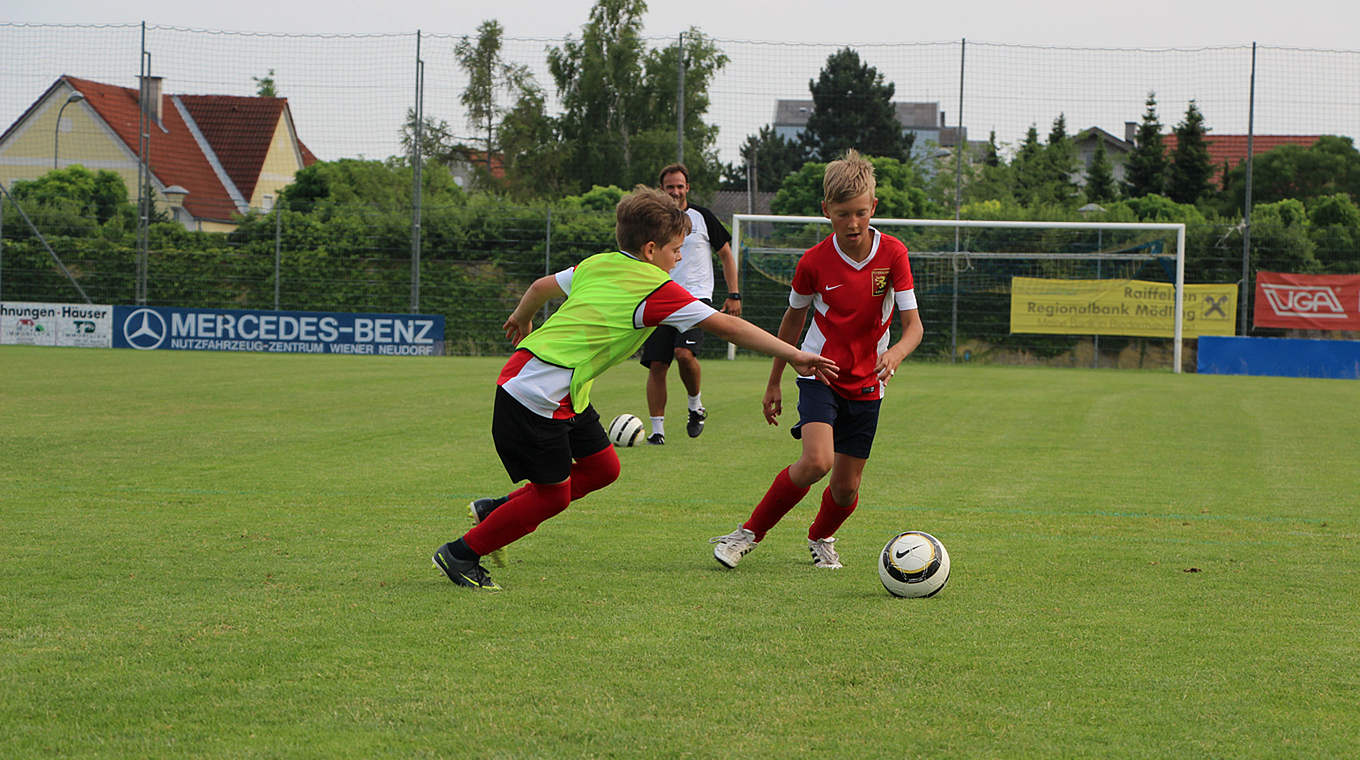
pixel 350 96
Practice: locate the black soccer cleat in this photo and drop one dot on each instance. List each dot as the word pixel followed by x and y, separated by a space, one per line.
pixel 656 439
pixel 465 573
pixel 695 426
pixel 482 508
pixel 479 510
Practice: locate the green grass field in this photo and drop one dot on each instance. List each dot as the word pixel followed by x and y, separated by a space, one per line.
pixel 228 555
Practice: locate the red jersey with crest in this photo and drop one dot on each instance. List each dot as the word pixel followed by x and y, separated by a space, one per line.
pixel 852 306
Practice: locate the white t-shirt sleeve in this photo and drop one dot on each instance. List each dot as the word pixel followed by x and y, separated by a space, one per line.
pixel 564 279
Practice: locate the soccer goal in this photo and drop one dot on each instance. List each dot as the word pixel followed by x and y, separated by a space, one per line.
pixel 965 270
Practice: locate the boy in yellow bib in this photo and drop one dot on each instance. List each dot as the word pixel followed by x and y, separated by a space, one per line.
pixel 544 428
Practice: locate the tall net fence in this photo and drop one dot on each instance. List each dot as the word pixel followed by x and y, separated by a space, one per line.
pixel 353 97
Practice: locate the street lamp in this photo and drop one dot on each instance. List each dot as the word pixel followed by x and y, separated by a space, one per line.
pixel 74 97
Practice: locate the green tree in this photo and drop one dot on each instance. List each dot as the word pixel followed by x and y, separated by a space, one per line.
pixel 1329 166
pixel 1189 178
pixel 535 164
pixel 437 141
pixel 900 190
pixel 1334 222
pixel 265 86
pixel 1145 170
pixel 618 100
pixel 993 154
pixel 488 74
pixel 772 157
pixel 1100 187
pixel 853 108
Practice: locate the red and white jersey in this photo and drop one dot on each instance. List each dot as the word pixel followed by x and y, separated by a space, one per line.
pixel 545 389
pixel 852 305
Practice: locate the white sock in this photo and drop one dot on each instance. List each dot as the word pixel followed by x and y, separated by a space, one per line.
pixel 694 403
pixel 659 425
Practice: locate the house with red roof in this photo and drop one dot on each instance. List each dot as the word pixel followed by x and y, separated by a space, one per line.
pixel 211 158
pixel 1227 151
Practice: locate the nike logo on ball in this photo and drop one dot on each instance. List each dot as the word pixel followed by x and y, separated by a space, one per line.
pixel 900 555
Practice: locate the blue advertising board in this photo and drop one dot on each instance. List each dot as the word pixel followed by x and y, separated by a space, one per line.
pixel 1280 357
pixel 148 328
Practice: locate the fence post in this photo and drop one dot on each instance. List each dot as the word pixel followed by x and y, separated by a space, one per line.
pixel 278 233
pixel 958 202
pixel 680 101
pixel 1246 202
pixel 547 254
pixel 2 249
pixel 143 174
pixel 419 111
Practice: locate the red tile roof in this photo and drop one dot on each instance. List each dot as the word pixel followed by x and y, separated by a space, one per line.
pixel 237 129
pixel 1232 149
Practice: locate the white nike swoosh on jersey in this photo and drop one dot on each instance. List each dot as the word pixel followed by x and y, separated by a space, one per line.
pixel 833 287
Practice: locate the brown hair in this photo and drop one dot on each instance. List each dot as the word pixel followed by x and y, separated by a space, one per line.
pixel 849 176
pixel 671 168
pixel 648 215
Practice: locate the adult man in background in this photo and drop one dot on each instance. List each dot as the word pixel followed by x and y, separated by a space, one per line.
pixel 695 274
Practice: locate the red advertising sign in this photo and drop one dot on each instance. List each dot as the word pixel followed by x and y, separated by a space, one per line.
pixel 1308 301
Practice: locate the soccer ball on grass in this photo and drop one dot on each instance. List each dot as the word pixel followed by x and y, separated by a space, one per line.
pixel 625 430
pixel 914 565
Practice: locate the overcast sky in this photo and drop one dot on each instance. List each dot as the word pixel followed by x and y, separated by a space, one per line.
pixel 1328 24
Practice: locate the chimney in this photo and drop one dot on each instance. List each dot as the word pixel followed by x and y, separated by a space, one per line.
pixel 151 98
pixel 1130 131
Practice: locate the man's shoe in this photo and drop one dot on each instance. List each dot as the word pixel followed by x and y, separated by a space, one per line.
pixel 478 510
pixel 824 554
pixel 696 422
pixel 466 573
pixel 656 439
pixel 733 546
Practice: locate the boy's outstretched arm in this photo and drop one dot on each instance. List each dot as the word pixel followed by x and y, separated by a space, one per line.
pixel 739 331
pixel 521 320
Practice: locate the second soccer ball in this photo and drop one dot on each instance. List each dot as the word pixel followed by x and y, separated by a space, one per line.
pixel 625 430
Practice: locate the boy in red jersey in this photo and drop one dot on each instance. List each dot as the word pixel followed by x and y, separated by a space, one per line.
pixel 852 280
pixel 543 425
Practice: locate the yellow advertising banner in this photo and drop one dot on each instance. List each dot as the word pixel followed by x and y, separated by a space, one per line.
pixel 1135 308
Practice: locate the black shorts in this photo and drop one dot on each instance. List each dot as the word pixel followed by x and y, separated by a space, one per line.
pixel 540 450
pixel 661 344
pixel 853 423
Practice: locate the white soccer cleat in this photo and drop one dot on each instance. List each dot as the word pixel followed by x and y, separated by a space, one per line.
pixel 824 554
pixel 732 547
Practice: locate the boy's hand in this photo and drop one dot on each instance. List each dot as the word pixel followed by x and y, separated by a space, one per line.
pixel 772 404
pixel 516 329
pixel 815 365
pixel 887 366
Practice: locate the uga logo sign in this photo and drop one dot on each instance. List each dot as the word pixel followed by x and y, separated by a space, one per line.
pixel 1317 301
pixel 1308 301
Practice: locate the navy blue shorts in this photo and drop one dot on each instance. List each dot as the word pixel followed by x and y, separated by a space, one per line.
pixel 535 448
pixel 853 423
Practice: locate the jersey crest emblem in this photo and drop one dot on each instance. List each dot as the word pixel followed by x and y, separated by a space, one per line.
pixel 880 280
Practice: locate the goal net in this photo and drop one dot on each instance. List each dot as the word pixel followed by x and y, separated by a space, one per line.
pixel 964 274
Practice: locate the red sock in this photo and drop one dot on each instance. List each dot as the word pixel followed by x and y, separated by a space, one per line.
pixel 587 474
pixel 830 516
pixel 781 497
pixel 594 472
pixel 518 517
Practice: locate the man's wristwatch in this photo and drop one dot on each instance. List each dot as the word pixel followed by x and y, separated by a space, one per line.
pixel 734 296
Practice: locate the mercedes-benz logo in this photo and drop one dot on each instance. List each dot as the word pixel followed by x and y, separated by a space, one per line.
pixel 144 329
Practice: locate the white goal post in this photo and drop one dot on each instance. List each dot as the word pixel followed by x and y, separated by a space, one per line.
pixel 738 220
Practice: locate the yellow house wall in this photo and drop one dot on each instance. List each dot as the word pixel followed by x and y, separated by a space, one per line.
pixel 280 165
pixel 27 154
pixel 86 141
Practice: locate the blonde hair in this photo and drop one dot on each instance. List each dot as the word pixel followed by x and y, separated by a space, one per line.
pixel 849 176
pixel 647 215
